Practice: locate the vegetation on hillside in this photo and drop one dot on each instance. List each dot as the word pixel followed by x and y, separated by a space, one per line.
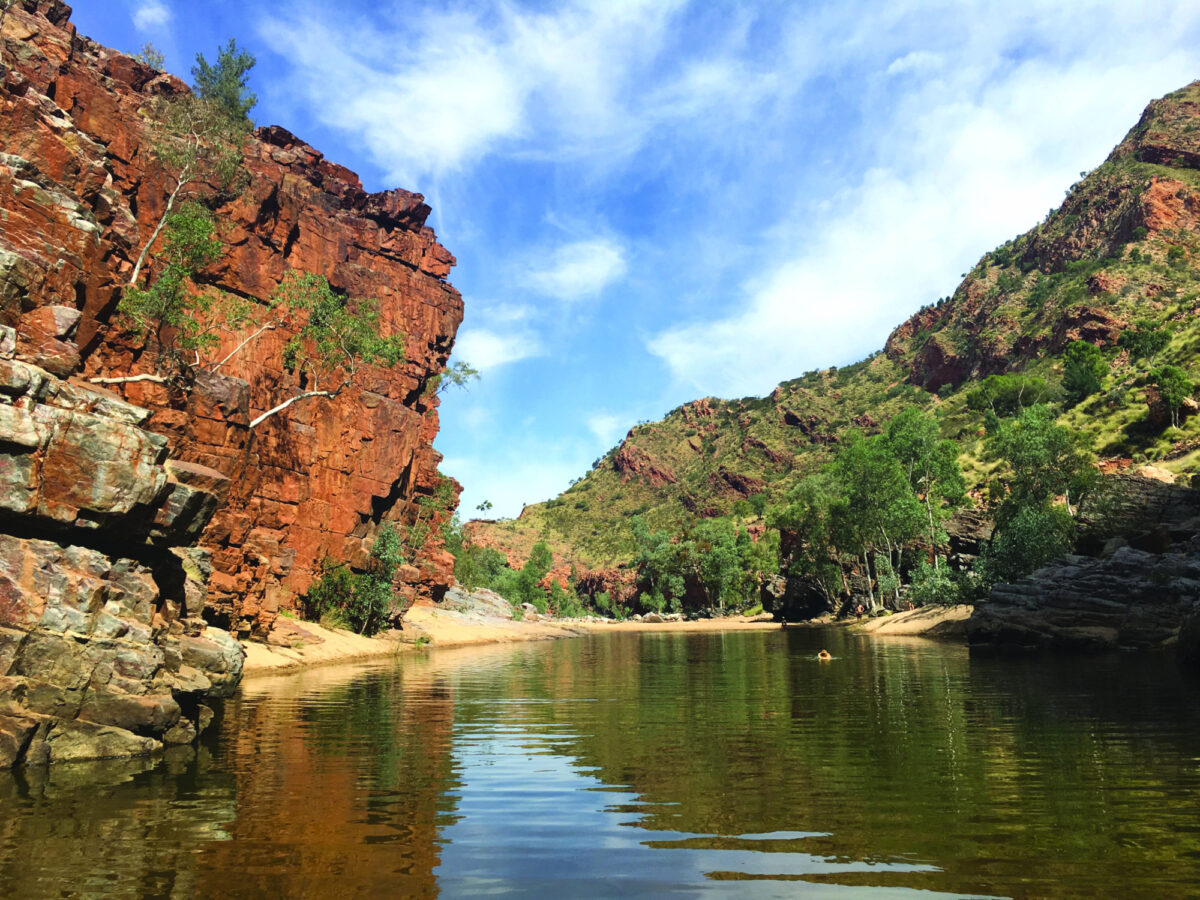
pixel 1092 318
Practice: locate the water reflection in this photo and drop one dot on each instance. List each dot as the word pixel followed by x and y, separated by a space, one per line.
pixel 657 764
pixel 117 827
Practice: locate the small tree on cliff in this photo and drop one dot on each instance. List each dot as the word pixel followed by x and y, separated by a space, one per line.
pixel 223 83
pixel 339 336
pixel 199 148
pixel 197 142
pixel 151 56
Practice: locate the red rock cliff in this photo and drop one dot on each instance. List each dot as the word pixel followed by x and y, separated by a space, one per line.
pixel 79 193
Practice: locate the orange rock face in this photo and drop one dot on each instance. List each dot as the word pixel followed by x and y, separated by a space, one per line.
pixel 80 191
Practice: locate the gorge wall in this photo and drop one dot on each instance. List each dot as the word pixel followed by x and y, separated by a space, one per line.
pixel 80 191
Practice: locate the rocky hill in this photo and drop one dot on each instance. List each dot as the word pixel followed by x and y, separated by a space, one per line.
pixel 1119 256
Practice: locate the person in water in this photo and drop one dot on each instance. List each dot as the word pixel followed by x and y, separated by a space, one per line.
pixel 824 655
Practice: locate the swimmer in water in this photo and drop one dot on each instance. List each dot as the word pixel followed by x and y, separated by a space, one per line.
pixel 824 656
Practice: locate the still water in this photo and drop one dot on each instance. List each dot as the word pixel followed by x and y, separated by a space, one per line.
pixel 665 765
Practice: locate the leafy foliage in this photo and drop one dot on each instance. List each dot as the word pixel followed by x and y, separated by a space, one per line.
pixel 338 335
pixel 934 586
pixel 1174 386
pixel 364 601
pixel 1035 535
pixel 1043 461
pixel 223 83
pixel 170 308
pixel 1007 395
pixel 1146 339
pixel 458 375
pixel 1084 368
pixel 151 56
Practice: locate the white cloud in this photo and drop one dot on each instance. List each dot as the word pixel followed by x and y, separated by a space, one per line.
pixel 433 91
pixel 579 270
pixel 975 151
pixel 607 427
pixel 915 61
pixel 505 334
pixel 485 349
pixel 151 15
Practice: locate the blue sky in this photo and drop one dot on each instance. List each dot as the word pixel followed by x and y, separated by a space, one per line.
pixel 652 202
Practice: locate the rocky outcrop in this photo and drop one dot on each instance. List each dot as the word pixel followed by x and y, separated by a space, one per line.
pixel 631 461
pixel 967 530
pixel 103 650
pixel 1131 600
pixel 80 191
pixel 1137 590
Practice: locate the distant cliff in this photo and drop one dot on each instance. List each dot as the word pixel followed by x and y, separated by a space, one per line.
pixel 80 190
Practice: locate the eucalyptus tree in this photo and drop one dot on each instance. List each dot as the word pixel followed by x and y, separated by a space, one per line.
pixel 930 464
pixel 880 512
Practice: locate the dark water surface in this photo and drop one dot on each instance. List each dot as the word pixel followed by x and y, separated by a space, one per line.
pixel 655 764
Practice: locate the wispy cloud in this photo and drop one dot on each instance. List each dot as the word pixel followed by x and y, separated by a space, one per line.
pixel 485 349
pixel 473 79
pixel 771 185
pixel 978 146
pixel 578 270
pixel 505 334
pixel 151 15
pixel 606 427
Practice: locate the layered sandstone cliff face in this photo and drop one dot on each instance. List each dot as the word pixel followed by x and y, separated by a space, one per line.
pixel 103 650
pixel 79 192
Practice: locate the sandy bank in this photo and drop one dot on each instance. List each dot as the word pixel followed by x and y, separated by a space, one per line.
pixel 432 627
pixel 928 621
pixel 729 623
pixel 316 646
pixel 313 645
pixel 447 628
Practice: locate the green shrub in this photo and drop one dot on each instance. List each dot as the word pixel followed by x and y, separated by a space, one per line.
pixel 934 586
pixel 1146 339
pixel 1174 386
pixel 361 601
pixel 1009 282
pixel 1084 368
pixel 1007 395
pixel 1035 536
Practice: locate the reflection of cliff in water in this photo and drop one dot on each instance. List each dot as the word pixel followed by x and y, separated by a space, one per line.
pixel 341 778
pixel 667 761
pixel 312 779
pixel 124 826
